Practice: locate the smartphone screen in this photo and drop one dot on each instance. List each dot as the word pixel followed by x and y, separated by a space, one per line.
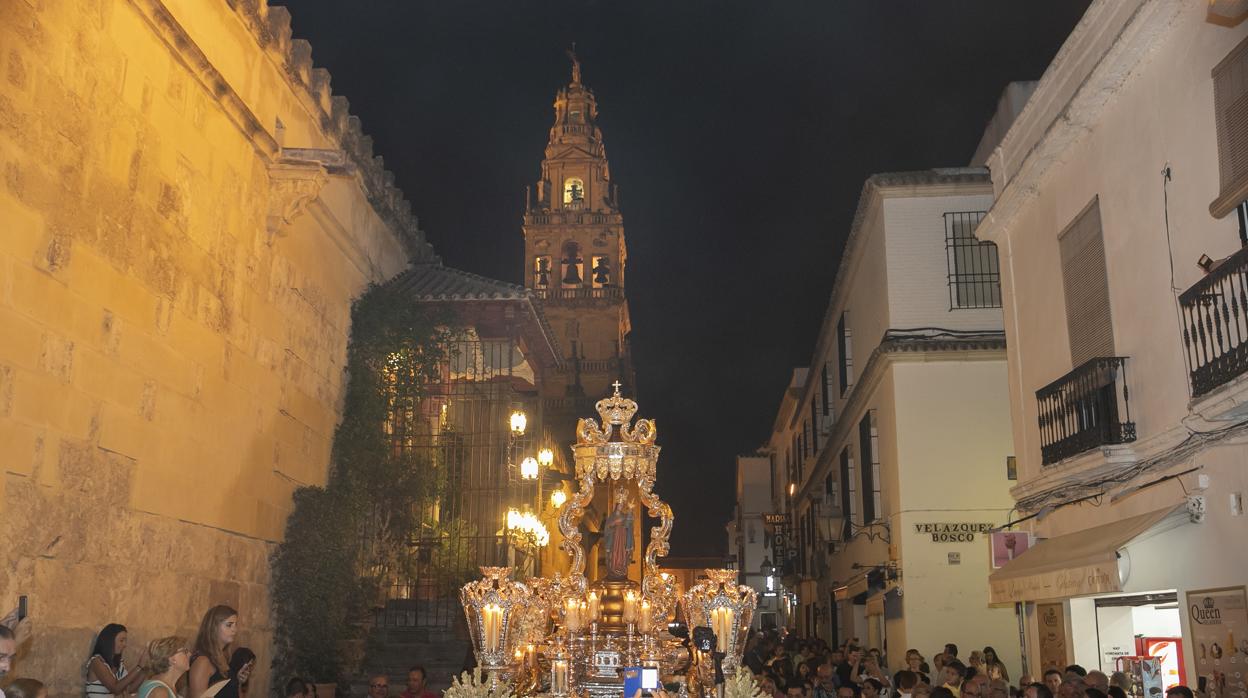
pixel 649 679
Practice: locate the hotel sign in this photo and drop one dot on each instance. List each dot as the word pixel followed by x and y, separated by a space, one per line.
pixel 952 532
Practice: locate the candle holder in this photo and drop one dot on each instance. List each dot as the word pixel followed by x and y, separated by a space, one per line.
pixel 561 674
pixel 488 604
pixel 727 608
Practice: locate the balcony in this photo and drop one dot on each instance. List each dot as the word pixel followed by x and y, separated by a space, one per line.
pixel 1215 324
pixel 581 293
pixel 1084 409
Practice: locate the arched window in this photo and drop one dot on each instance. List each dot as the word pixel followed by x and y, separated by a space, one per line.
pixel 573 190
pixel 601 271
pixel 573 265
pixel 541 271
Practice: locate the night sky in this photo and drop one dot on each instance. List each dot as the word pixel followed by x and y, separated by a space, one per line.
pixel 739 134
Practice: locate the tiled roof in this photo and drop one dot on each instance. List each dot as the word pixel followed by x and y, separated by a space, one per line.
pixel 435 282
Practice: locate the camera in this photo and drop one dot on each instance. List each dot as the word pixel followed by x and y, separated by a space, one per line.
pixel 704 639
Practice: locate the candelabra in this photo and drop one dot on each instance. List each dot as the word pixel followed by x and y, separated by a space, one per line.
pixel 571 638
pixel 727 609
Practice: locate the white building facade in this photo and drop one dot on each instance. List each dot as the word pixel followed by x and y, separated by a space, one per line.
pixel 1118 190
pixel 749 542
pixel 897 442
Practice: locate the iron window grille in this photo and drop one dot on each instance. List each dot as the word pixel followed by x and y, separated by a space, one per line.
pixel 974 270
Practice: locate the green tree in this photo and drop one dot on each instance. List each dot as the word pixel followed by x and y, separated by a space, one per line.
pixel 344 540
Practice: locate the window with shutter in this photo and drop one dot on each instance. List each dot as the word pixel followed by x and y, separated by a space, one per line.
pixel 849 494
pixel 1088 318
pixel 868 448
pixel 845 353
pixel 1230 104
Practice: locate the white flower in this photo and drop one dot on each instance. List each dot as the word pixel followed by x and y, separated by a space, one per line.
pixel 474 685
pixel 742 685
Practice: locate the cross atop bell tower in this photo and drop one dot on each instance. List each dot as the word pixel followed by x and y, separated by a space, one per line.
pixel 574 246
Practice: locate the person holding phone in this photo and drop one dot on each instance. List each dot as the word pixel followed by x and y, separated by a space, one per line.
pixel 242 661
pixel 106 670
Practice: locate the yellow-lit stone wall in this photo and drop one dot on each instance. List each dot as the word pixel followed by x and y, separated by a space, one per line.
pixel 175 286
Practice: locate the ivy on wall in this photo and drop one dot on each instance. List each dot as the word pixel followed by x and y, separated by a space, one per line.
pixel 344 540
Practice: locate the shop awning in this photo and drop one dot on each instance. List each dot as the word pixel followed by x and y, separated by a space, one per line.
pixel 1076 564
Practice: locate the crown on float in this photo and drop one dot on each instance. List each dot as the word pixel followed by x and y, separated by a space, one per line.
pixel 616 448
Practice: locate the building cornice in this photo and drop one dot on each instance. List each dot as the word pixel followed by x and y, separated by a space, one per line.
pixel 270 28
pixel 1099 56
pixel 902 346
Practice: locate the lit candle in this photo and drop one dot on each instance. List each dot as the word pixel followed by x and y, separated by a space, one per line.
pixel 570 615
pixel 722 624
pixel 559 676
pixel 630 608
pixel 519 656
pixel 594 608
pixel 645 616
pixel 492 619
pixel 582 615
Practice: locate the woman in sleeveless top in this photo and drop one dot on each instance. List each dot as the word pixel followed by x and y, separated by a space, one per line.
pixel 211 661
pixel 167 660
pixel 106 672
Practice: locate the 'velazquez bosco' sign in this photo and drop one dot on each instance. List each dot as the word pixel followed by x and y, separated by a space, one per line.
pixel 952 532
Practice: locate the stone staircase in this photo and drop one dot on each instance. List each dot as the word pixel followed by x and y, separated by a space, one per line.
pixel 394 646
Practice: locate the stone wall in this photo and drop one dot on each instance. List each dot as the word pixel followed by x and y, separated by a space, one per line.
pixel 186 212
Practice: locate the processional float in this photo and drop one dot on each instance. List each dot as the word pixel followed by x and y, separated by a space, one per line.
pixel 566 636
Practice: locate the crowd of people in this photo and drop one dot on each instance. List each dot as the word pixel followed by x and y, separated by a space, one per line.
pixel 788 667
pixel 784 667
pixel 210 667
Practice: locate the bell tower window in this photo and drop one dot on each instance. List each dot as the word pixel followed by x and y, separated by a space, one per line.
pixel 573 190
pixel 601 271
pixel 573 265
pixel 541 271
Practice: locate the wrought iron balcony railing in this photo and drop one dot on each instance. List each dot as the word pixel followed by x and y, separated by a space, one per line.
pixel 1086 408
pixel 1215 324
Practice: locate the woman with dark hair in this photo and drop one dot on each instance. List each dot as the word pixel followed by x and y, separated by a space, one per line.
pixel 241 663
pixel 210 664
pixel 993 666
pixel 106 672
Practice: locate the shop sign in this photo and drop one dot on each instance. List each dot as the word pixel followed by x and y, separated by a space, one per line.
pixel 1219 627
pixel 952 532
pixel 1059 584
pixel 1052 621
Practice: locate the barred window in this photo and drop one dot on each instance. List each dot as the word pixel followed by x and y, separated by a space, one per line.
pixel 974 272
pixel 849 495
pixel 869 448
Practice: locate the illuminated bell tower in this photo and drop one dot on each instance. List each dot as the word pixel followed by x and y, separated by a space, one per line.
pixel 574 250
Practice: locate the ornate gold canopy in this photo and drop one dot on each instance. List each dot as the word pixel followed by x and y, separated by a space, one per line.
pixel 616 449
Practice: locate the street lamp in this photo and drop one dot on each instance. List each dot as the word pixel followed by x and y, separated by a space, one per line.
pixel 557 498
pixel 528 468
pixel 546 457
pixel 518 422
